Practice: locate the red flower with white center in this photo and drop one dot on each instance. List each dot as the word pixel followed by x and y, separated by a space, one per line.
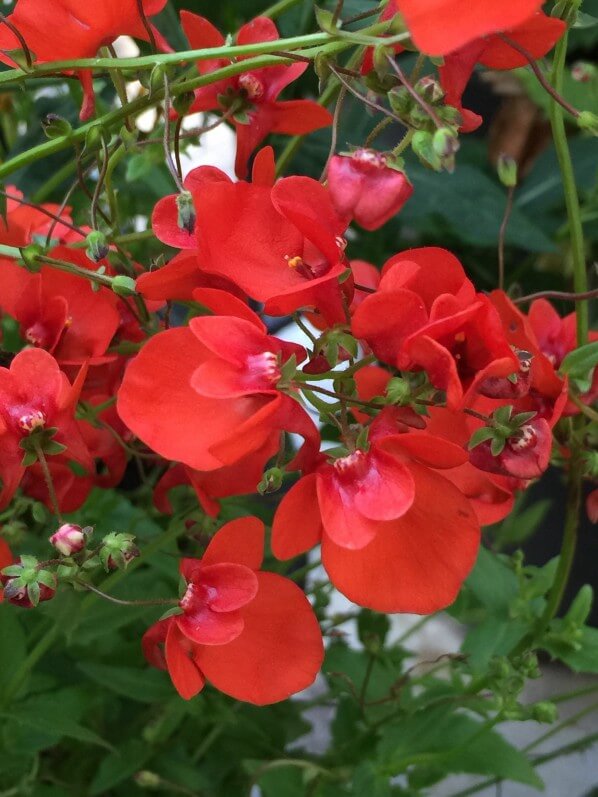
pixel 206 395
pixel 251 634
pixel 68 30
pixel 396 535
pixel 251 96
pixel 58 311
pixel 362 186
pixel 35 394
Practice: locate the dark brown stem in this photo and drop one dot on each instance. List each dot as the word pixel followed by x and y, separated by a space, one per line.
pixel 43 462
pixel 339 396
pixel 540 75
pixel 120 602
pixel 98 188
pixel 176 176
pixel 19 35
pixel 501 237
pixel 570 297
pixel 362 15
pixel 55 216
pixel 333 138
pixel 419 100
pixel 177 145
pixel 365 100
pixel 146 25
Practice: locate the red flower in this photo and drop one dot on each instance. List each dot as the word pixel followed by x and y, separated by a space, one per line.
pixel 396 535
pixel 592 506
pixel 252 634
pixel 427 316
pixel 23 222
pixel 284 247
pixel 537 35
pixel 34 395
pixel 252 94
pixel 364 187
pixel 439 27
pixel 206 395
pixel 70 29
pixel 58 311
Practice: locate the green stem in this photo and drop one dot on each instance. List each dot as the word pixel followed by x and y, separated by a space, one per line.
pixel 569 545
pixel 20 676
pixel 43 463
pixel 115 118
pixel 559 134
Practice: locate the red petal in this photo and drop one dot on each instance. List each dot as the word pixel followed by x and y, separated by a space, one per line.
pixel 416 563
pixel 184 673
pixel 279 652
pixel 438 27
pixel 297 524
pixel 537 35
pixel 205 627
pixel 297 117
pixel 240 541
pixel 228 586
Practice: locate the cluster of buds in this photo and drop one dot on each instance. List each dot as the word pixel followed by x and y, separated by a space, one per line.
pixel 117 550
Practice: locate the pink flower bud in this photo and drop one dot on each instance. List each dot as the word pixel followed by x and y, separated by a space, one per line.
pixel 526 454
pixel 592 506
pixel 363 186
pixel 69 539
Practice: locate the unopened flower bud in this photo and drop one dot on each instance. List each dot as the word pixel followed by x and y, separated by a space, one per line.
pixel 588 121
pixel 583 72
pixel 544 711
pixel 186 212
pixel 445 142
pixel 117 550
pixel 97 246
pixel 124 286
pixel 398 391
pixel 148 780
pixel 429 89
pixel 55 126
pixel 29 256
pixel 183 102
pixel 271 481
pixel 506 166
pixel 592 506
pixel 69 539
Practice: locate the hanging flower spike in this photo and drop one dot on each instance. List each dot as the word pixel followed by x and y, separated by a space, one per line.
pixel 251 634
pixel 251 98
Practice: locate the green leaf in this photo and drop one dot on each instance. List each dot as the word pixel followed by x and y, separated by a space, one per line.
pixel 55 726
pixel 493 583
pixel 457 743
pixel 142 685
pixel 480 436
pixel 367 781
pixel 585 659
pixel 120 765
pixel 492 637
pixel 580 363
pixel 584 20
pixel 13 648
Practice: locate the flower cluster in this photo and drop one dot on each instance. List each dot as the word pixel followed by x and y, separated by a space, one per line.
pixel 443 398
